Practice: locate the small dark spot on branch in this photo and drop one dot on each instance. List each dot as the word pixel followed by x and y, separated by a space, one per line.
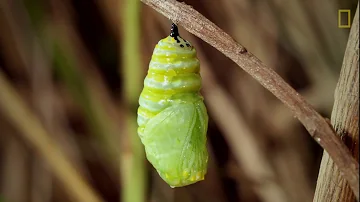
pixel 243 50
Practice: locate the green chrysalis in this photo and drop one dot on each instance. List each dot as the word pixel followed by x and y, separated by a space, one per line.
pixel 172 116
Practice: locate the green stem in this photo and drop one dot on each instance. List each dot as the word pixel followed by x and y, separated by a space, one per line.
pixel 133 164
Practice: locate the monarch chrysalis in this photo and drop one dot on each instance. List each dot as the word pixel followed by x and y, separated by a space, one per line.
pixel 172 116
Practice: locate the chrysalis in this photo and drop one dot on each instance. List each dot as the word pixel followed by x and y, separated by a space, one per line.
pixel 172 117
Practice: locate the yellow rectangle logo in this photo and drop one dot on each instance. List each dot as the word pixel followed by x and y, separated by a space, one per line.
pixel 347 11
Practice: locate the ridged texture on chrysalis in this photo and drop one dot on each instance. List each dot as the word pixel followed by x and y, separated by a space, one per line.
pixel 172 117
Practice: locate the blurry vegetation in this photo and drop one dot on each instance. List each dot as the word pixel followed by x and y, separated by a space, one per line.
pixel 79 65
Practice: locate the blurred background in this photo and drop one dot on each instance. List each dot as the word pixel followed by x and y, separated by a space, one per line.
pixel 71 72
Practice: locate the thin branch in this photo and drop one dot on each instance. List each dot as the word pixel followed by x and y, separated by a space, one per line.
pixel 316 125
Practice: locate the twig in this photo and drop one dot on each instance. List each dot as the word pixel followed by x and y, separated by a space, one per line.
pixel 316 125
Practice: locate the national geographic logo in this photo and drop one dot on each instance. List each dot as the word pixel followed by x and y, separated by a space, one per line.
pixel 344 18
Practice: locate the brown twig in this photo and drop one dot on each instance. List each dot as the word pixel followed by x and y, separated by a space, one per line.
pixel 316 125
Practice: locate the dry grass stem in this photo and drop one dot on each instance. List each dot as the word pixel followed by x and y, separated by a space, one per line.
pixel 331 185
pixel 32 130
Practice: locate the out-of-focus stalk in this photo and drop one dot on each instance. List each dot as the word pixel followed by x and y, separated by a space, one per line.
pixel 132 161
pixel 16 111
